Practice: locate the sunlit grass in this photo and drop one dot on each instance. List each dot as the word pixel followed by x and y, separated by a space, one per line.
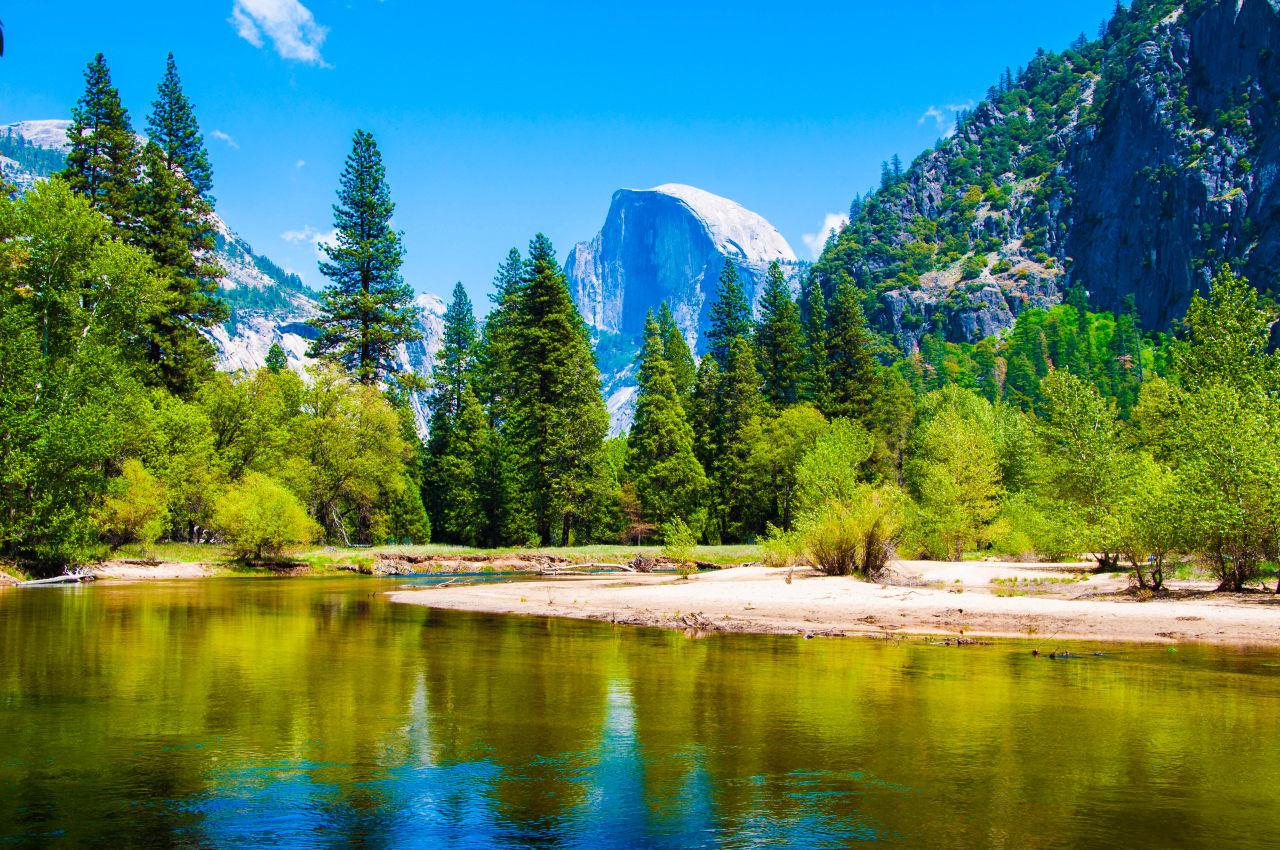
pixel 332 558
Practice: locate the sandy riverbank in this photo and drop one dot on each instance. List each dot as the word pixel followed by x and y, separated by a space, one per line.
pixel 1038 601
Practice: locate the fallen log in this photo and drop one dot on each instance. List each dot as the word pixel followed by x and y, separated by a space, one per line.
pixel 67 579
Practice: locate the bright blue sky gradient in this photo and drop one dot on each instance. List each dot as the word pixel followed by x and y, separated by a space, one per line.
pixel 497 120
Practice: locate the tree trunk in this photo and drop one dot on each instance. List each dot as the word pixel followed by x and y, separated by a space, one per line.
pixel 564 531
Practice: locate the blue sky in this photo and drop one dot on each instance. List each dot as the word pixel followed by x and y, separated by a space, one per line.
pixel 498 120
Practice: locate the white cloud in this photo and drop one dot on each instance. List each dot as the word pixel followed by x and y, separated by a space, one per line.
pixel 945 116
pixel 291 27
pixel 830 225
pixel 310 234
pixel 221 136
pixel 301 163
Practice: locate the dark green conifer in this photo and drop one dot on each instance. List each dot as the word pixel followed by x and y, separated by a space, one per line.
pixel 494 376
pixel 172 126
pixel 668 479
pixel 684 370
pixel 558 418
pixel 175 226
pixel 730 315
pixel 816 389
pixel 779 342
pixel 454 361
pixel 368 310
pixel 277 361
pixel 102 164
pixel 853 371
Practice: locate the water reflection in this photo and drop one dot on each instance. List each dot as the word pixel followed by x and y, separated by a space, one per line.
pixel 315 713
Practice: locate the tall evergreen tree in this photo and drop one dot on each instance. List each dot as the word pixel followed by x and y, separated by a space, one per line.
pixel 368 309
pixel 450 383
pixel 730 315
pixel 813 317
pixel 494 375
pixel 176 229
pixel 454 361
pixel 102 164
pixel 558 418
pixel 668 479
pixel 684 370
pixel 738 403
pixel 277 361
pixel 172 127
pixel 853 371
pixel 779 342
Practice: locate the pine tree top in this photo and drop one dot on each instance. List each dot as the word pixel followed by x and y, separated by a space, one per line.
pixel 172 125
pixel 730 314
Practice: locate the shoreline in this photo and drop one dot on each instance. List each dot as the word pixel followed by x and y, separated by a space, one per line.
pixel 1049 602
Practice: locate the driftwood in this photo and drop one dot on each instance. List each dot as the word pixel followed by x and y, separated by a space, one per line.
pixel 75 578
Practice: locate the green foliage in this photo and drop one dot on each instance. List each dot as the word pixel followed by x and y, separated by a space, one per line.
pixel 678 541
pixel 102 164
pixel 778 447
pixel 730 316
pixel 858 535
pixel 779 342
pixel 367 311
pixel 277 361
pixel 833 470
pixel 557 416
pixel 258 516
pixel 955 476
pixel 134 509
pixel 173 129
pixel 669 480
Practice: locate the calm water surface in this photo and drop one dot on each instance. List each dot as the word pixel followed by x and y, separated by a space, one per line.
pixel 239 713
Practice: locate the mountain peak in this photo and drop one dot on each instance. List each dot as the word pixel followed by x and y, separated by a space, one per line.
pixel 737 231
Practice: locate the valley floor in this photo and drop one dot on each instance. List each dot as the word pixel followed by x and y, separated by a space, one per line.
pixel 964 600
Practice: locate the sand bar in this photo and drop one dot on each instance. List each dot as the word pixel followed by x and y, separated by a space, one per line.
pixel 956 600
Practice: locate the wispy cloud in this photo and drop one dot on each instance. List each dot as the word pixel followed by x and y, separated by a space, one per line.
pixel 292 28
pixel 830 226
pixel 301 163
pixel 223 137
pixel 944 116
pixel 310 234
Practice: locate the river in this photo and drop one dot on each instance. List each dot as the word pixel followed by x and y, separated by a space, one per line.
pixel 314 713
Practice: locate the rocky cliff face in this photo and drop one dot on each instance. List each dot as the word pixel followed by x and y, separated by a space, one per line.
pixel 268 305
pixel 1180 172
pixel 669 244
pixel 664 244
pixel 1131 166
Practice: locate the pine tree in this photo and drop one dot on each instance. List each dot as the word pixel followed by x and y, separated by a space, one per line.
pixel 368 310
pixel 684 371
pixel 176 229
pixel 102 164
pixel 730 315
pixel 456 478
pixel 558 418
pixel 738 404
pixel 454 361
pixel 816 389
pixel 172 126
pixel 277 361
pixel 853 371
pixel 493 373
pixel 668 478
pixel 779 342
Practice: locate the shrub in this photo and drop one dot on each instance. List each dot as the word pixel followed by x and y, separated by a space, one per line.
pixel 258 516
pixel 973 267
pixel 857 535
pixel 678 540
pixel 135 508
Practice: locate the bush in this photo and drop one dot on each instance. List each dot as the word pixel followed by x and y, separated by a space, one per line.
pixel 973 267
pixel 258 515
pixel 678 544
pixel 858 535
pixel 135 509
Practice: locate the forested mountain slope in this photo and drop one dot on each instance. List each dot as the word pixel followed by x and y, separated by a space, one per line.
pixel 1130 165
